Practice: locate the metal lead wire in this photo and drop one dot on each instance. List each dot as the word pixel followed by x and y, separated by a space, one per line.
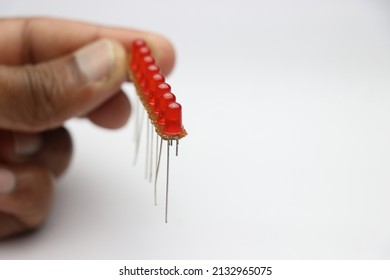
pixel 156 149
pixel 139 131
pixel 167 183
pixel 147 151
pixel 137 110
pixel 177 147
pixel 151 154
pixel 157 168
pixel 139 120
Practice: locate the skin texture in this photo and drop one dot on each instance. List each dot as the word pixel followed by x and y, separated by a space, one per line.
pixel 42 86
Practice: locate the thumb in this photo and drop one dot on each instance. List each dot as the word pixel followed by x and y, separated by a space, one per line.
pixel 42 96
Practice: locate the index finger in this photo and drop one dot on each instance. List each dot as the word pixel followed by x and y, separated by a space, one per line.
pixel 40 39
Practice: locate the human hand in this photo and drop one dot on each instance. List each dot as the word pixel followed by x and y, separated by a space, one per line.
pixel 50 71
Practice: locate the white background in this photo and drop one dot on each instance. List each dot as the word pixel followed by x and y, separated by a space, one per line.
pixel 287 106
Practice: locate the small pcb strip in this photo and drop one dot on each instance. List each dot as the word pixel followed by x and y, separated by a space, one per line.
pixel 163 110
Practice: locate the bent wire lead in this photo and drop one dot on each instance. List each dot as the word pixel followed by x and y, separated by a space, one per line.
pixel 162 108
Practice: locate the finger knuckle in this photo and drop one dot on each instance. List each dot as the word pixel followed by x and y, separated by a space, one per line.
pixel 44 94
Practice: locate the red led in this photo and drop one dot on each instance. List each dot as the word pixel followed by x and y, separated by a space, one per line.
pixel 165 99
pixel 150 71
pixel 135 47
pixel 144 51
pixel 173 123
pixel 154 82
pixel 160 90
pixel 145 63
pixel 137 44
pixel 138 54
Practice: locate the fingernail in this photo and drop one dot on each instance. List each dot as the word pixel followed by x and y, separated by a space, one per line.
pixel 7 181
pixel 96 60
pixel 27 144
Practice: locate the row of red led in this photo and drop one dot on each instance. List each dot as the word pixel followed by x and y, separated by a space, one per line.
pixel 155 94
